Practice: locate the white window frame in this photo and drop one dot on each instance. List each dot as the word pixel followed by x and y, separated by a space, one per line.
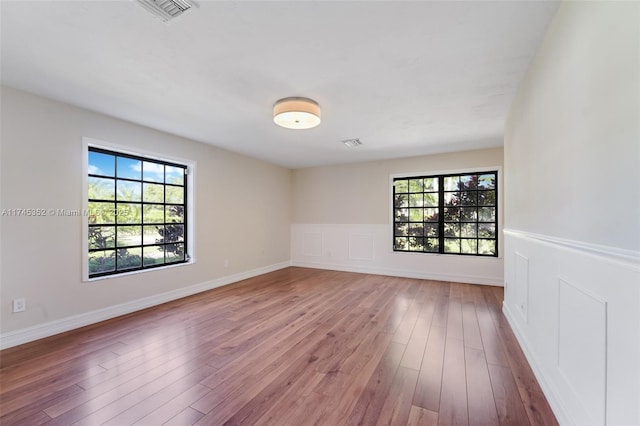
pixel 191 204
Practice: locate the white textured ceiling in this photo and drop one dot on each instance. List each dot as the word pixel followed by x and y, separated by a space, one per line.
pixel 407 78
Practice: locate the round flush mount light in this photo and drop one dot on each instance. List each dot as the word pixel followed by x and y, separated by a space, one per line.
pixel 296 113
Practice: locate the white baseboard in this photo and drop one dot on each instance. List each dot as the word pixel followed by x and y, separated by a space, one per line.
pixel 29 334
pixel 549 392
pixel 404 273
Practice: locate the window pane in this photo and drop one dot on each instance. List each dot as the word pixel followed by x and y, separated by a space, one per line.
pixel 129 168
pixel 415 200
pixel 128 191
pixel 153 213
pixel 401 200
pixel 102 261
pixel 129 235
pixel 416 229
pixel 416 185
pixel 469 246
pixel 153 255
pixel 451 229
pixel 431 199
pixel 175 214
pixel 430 230
pixel 174 175
pixel 152 234
pixel 128 213
pixel 401 215
pixel 451 183
pixel 451 245
pixel 174 194
pixel 153 193
pixel 487 198
pixel 486 230
pixel 487 181
pixel 468 230
pixel 415 215
pixel 452 198
pixel 400 243
pixel 129 258
pixel 452 214
pixel 101 188
pixel 101 164
pixel 468 182
pixel 468 198
pixel 431 215
pixel 401 229
pixel 152 172
pixel 432 245
pixel 174 252
pixel 172 233
pixel 401 186
pixel 431 184
pixel 468 214
pixel 487 214
pixel 101 212
pixel 487 247
pixel 101 237
pixel 416 244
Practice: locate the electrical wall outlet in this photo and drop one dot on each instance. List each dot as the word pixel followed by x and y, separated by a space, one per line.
pixel 19 305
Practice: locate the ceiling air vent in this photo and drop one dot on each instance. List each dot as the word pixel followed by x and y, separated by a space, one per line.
pixel 166 9
pixel 352 143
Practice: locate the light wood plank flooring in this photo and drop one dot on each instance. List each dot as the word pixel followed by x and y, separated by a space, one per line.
pixel 293 347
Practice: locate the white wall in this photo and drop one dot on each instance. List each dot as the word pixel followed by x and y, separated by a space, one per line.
pixel 341 219
pixel 572 214
pixel 243 214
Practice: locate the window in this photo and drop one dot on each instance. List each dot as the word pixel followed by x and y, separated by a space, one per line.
pixel 448 214
pixel 137 212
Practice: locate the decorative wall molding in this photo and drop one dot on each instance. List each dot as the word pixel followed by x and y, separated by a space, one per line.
pixel 19 337
pixel 630 258
pixel 361 246
pixel 586 356
pixel 312 244
pixel 368 248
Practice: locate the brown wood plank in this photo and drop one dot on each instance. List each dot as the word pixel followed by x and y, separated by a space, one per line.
pixel 172 409
pixel 453 397
pixel 419 416
pixel 397 405
pixel 429 386
pixel 509 406
pixel 482 407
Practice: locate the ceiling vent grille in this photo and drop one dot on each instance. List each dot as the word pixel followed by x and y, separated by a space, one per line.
pixel 166 9
pixel 352 143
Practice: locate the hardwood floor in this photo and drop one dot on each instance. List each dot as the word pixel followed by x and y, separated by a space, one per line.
pixel 293 347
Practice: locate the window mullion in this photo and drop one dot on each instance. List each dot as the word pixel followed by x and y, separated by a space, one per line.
pixel 441 214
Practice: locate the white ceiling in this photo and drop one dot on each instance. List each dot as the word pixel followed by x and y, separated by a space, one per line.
pixel 408 78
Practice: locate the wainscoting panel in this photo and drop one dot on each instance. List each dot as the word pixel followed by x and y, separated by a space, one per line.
pixel 312 244
pixel 522 285
pixel 582 347
pixel 361 246
pixel 368 249
pixel 581 333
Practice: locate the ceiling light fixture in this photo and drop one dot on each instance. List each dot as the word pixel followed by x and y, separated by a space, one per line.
pixel 296 113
